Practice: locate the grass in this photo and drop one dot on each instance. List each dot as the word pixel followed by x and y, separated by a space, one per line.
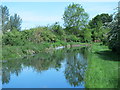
pixel 20 51
pixel 102 70
pixel 9 52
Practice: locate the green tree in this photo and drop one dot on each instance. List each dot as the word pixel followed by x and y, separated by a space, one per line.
pixel 4 17
pixel 9 23
pixel 57 29
pixel 114 34
pixel 102 18
pixel 99 26
pixel 15 22
pixel 75 18
pixel 87 35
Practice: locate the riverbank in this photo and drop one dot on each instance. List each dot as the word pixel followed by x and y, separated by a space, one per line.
pixel 102 69
pixel 9 52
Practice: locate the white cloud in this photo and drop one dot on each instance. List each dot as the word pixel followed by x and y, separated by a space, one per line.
pixel 60 0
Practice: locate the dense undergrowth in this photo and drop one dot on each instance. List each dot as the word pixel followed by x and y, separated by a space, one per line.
pixel 20 43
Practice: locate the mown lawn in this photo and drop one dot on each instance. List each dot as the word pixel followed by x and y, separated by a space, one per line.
pixel 102 70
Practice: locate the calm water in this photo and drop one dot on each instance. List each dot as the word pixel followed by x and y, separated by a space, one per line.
pixel 63 68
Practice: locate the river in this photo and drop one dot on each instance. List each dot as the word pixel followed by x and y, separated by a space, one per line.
pixel 64 68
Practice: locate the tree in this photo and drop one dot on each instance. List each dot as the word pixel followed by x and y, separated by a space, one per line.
pixel 87 35
pixel 4 17
pixel 75 18
pixel 57 29
pixel 103 18
pixel 114 34
pixel 9 23
pixel 99 26
pixel 15 22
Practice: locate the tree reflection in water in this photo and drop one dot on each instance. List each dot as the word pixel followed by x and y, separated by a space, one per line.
pixel 74 69
pixel 39 63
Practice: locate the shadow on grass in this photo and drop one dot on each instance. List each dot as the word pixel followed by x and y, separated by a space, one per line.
pixel 109 55
pixel 118 86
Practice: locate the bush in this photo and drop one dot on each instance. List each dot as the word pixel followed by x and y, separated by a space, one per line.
pixel 13 38
pixel 72 38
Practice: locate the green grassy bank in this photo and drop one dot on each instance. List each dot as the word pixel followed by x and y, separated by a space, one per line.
pixel 102 70
pixel 9 52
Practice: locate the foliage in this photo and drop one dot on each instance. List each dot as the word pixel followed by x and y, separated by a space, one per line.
pixel 102 18
pixel 114 34
pixel 99 26
pixel 57 29
pixel 35 35
pixel 9 22
pixel 87 35
pixel 4 17
pixel 15 22
pixel 41 34
pixel 21 51
pixel 72 38
pixel 75 18
pixel 12 38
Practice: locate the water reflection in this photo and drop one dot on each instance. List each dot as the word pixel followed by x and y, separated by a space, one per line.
pixel 74 60
pixel 75 68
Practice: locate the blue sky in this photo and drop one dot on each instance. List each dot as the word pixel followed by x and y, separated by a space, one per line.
pixel 43 13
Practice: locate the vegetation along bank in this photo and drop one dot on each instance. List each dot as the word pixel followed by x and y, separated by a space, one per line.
pixel 78 29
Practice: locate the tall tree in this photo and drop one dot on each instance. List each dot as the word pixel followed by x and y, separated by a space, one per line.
pixel 114 34
pixel 9 23
pixel 4 17
pixel 75 18
pixel 15 22
pixel 0 19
